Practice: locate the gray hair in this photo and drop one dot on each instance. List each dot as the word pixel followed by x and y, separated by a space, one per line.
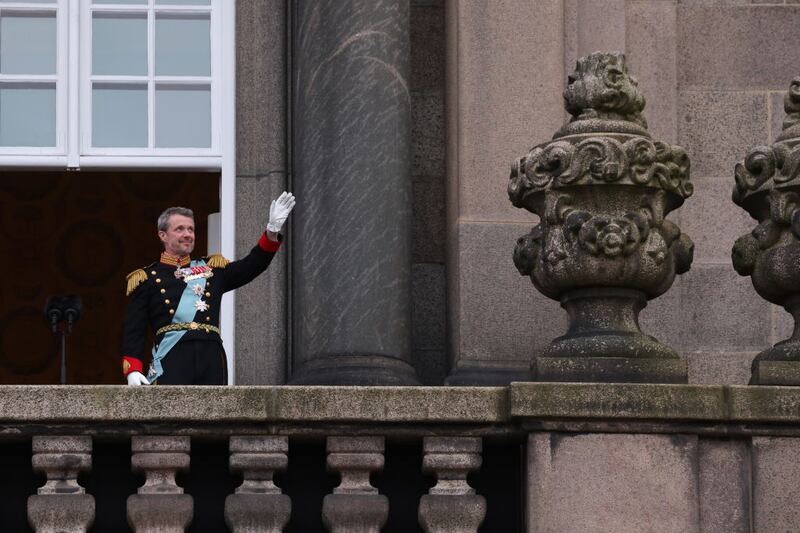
pixel 163 218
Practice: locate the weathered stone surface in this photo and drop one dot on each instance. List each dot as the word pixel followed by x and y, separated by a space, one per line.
pixel 719 367
pixel 61 513
pixel 725 313
pixel 760 57
pixel 427 133
pixel 606 482
pixel 261 304
pixel 712 223
pixel 776 483
pixel 451 514
pixel 602 189
pixel 619 401
pixel 501 320
pixel 651 50
pixel 260 88
pixel 428 307
pixel 61 504
pixel 724 485
pixel 160 505
pixel 427 45
pixel 355 504
pixel 429 221
pixel 593 26
pixel 258 505
pixel 717 127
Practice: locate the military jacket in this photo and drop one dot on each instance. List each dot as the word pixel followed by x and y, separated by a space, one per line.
pixel 154 293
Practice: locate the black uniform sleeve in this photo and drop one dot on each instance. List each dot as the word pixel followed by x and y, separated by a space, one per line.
pixel 134 330
pixel 245 270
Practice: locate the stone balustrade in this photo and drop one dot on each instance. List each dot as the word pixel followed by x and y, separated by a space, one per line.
pixel 434 459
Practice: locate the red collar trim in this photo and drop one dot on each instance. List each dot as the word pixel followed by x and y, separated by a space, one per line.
pixel 171 260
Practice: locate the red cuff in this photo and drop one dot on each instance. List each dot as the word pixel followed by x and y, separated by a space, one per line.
pixel 131 364
pixel 267 245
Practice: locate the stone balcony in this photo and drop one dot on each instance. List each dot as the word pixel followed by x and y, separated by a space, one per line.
pixel 540 457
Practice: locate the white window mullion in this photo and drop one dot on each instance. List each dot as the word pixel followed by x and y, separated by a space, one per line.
pixel 72 57
pixel 85 91
pixel 151 72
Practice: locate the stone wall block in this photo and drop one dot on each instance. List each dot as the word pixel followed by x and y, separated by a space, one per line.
pixel 258 504
pixel 451 506
pixel 61 504
pixel 612 482
pixel 724 485
pixel 355 505
pixel 776 483
pixel 762 55
pixel 160 505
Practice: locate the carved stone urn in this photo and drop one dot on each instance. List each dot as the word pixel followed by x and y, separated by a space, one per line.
pixel 602 189
pixel 768 187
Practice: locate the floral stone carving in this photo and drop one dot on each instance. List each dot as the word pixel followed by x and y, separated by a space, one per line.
pixel 602 189
pixel 768 187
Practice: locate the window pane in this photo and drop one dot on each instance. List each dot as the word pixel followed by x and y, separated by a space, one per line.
pixel 184 2
pixel 28 43
pixel 119 44
pixel 120 1
pixel 28 114
pixel 183 46
pixel 28 1
pixel 119 115
pixel 183 116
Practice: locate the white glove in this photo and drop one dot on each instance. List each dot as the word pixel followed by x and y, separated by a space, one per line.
pixel 279 211
pixel 137 378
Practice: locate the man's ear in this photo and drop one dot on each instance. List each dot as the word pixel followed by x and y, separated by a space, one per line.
pixel 162 235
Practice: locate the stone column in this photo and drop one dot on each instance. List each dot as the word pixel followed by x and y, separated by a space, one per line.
pixel 160 505
pixel 355 505
pixel 258 506
pixel 61 504
pixel 451 506
pixel 351 238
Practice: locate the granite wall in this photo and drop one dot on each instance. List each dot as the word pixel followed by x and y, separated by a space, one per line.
pixel 713 73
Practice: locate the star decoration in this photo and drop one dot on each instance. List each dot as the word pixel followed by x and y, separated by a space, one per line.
pixel 201 306
pixel 197 289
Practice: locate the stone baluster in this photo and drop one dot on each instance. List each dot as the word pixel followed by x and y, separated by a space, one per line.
pixel 355 505
pixel 160 505
pixel 61 504
pixel 258 506
pixel 451 506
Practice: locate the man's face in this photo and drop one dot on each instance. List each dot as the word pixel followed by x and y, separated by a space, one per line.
pixel 179 238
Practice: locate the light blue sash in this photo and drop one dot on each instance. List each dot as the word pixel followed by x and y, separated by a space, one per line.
pixel 184 313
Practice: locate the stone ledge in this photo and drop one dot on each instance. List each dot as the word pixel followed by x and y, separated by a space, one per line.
pixel 110 404
pixel 735 404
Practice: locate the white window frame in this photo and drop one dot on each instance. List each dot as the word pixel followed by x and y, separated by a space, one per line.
pixel 72 113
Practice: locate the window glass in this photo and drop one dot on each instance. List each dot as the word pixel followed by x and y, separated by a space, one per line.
pixel 183 45
pixel 119 115
pixel 28 43
pixel 28 114
pixel 184 2
pixel 119 44
pixel 183 116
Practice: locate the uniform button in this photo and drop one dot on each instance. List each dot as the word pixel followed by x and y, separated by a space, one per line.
pixel 153 272
pixel 163 291
pixel 158 280
pixel 166 302
pixel 208 295
pixel 172 311
pixel 208 319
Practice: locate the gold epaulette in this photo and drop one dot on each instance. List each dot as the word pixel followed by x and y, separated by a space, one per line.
pixel 217 261
pixel 134 279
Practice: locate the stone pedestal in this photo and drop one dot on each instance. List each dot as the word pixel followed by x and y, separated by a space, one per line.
pixel 61 504
pixel 351 229
pixel 160 505
pixel 355 505
pixel 258 506
pixel 451 506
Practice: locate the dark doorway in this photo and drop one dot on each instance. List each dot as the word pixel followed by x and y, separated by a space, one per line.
pixel 81 233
